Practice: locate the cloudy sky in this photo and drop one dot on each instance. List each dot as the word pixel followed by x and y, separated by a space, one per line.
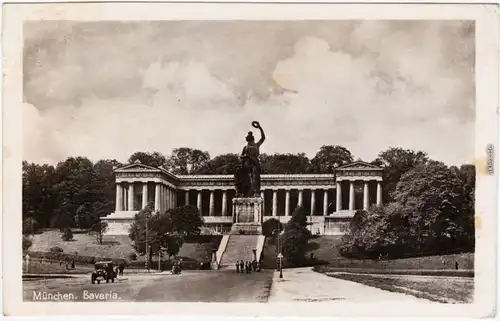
pixel 108 89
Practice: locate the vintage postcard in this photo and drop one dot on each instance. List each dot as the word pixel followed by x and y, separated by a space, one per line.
pixel 302 160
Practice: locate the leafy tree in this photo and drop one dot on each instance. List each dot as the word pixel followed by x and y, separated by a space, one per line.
pixel 185 161
pixel 154 159
pixel 295 239
pixel 329 157
pixel 396 161
pixel 186 220
pixel 74 188
pixel 137 230
pixel 285 164
pixel 220 165
pixel 27 242
pixel 270 226
pixel 437 194
pixel 160 233
pixel 38 194
pixel 98 229
pixel 299 217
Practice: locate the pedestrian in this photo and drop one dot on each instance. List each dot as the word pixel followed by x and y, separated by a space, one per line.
pixel 242 264
pixel 121 267
pixel 456 265
pixel 237 267
pixel 254 265
pixel 258 267
pixel 249 267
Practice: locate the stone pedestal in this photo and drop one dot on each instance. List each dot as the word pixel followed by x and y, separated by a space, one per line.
pixel 247 215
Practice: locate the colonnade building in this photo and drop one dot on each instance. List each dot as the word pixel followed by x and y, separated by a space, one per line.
pixel 329 199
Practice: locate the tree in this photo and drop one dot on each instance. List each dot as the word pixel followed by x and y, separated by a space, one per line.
pixel 270 227
pixel 154 159
pixel 186 220
pixel 220 165
pixel 285 164
pixel 38 194
pixel 98 229
pixel 330 157
pixel 295 239
pixel 160 233
pixel 73 189
pixel 396 161
pixel 436 195
pixel 137 230
pixel 185 161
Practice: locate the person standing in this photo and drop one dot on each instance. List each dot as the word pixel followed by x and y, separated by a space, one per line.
pixel 242 264
pixel 237 267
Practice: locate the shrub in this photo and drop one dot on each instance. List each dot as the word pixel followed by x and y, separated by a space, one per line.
pixel 27 242
pixel 271 225
pixel 56 249
pixel 132 256
pixel 67 235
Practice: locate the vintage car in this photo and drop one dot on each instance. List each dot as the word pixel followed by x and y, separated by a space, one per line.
pixel 103 271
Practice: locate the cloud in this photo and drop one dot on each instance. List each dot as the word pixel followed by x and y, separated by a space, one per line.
pixel 365 85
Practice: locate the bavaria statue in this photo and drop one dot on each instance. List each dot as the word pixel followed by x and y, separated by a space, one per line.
pixel 247 175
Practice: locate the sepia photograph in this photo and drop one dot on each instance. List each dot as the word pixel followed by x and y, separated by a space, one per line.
pixel 334 161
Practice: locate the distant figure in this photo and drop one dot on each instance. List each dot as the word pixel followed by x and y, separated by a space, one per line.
pixel 237 267
pixel 201 266
pixel 456 265
pixel 254 265
pixel 249 267
pixel 242 265
pixel 121 267
pixel 73 263
pixel 258 267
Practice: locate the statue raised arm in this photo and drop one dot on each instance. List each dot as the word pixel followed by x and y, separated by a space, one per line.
pixel 262 134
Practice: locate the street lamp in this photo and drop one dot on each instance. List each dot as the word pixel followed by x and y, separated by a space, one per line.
pixel 280 256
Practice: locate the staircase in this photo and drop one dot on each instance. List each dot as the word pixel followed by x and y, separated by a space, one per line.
pixel 239 247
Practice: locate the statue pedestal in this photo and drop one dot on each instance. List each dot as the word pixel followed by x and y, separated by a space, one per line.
pixel 247 215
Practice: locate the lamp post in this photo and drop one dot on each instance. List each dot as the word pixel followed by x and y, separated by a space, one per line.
pixel 280 256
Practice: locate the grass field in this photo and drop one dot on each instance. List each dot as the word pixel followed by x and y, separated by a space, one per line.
pixel 438 289
pixel 36 266
pixel 435 262
pixel 113 246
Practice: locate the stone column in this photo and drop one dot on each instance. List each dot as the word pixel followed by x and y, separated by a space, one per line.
pixel 124 198
pixel 287 203
pixel 300 202
pixel 339 197
pixel 157 196
pixel 144 195
pixel 224 203
pixel 379 193
pixel 262 195
pixel 118 205
pixel 325 202
pixel 351 195
pixel 130 197
pixel 366 196
pixel 313 201
pixel 168 191
pixel 198 202
pixel 212 203
pixel 186 198
pixel 275 202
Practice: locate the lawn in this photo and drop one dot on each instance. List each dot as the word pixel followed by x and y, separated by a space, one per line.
pixel 116 246
pixel 438 289
pixel 435 262
pixel 37 266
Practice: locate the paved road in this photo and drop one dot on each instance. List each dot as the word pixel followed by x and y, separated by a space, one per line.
pixel 303 284
pixel 190 286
